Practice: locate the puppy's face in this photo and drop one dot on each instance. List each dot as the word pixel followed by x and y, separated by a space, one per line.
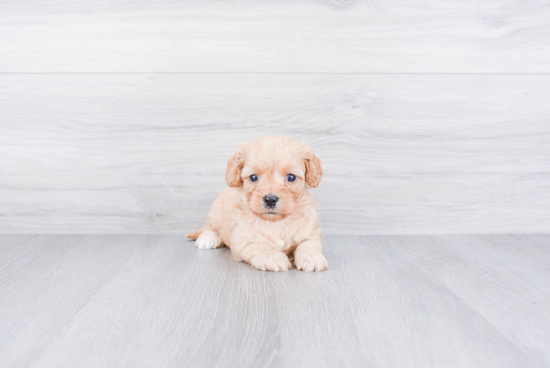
pixel 274 172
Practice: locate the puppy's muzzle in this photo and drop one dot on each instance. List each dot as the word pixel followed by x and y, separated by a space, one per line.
pixel 270 200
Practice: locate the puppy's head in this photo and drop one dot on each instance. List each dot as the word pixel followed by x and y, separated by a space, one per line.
pixel 274 172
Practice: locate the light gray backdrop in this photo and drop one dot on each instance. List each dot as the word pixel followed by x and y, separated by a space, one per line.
pixel 429 117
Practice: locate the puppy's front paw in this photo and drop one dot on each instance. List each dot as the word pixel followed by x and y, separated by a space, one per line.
pixel 208 240
pixel 272 261
pixel 309 261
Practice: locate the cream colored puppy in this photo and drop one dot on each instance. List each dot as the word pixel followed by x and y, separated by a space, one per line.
pixel 266 214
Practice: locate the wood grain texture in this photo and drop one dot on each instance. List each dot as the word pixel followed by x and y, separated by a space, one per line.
pixel 368 36
pixel 407 301
pixel 45 281
pixel 401 153
pixel 517 278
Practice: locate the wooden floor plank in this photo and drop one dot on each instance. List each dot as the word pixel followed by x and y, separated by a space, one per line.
pixel 46 282
pixel 147 153
pixel 170 305
pixel 408 301
pixel 38 36
pixel 504 278
pixel 375 304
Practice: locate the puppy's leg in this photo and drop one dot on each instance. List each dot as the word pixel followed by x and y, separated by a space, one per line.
pixel 308 256
pixel 271 261
pixel 264 258
pixel 208 236
pixel 208 239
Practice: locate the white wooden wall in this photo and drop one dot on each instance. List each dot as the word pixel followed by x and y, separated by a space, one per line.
pixel 429 116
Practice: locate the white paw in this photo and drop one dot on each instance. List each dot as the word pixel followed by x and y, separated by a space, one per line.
pixel 208 240
pixel 272 261
pixel 309 261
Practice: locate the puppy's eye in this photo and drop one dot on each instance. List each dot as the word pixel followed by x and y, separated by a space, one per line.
pixel 291 177
pixel 254 177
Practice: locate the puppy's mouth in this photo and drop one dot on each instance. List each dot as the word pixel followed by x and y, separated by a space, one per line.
pixel 272 214
pixel 271 210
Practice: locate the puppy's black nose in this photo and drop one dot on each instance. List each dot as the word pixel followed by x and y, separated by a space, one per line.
pixel 270 200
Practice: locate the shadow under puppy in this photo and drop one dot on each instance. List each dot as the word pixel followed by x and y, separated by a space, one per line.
pixel 266 214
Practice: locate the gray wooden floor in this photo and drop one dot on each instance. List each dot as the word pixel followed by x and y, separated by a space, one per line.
pixel 387 301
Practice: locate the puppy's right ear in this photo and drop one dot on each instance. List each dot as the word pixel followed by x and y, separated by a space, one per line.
pixel 235 167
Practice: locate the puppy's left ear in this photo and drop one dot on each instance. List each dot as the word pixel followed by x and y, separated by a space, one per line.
pixel 314 171
pixel 235 167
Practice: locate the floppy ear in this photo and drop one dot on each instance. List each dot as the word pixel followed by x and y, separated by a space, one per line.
pixel 314 171
pixel 235 166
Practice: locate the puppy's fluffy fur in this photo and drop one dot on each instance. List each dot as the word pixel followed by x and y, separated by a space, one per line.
pixel 262 236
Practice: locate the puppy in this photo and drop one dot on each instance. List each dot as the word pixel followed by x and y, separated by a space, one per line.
pixel 266 214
